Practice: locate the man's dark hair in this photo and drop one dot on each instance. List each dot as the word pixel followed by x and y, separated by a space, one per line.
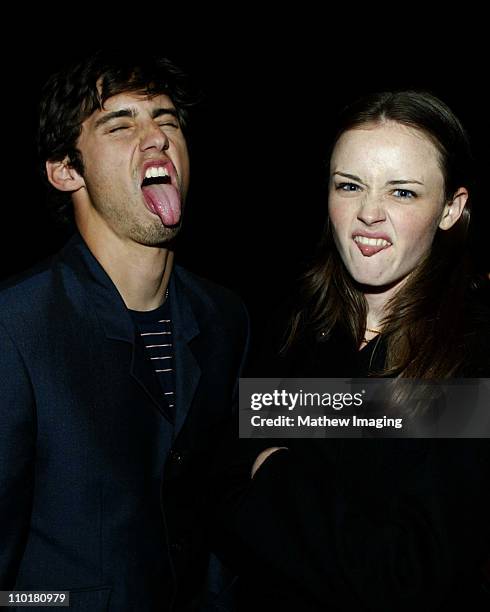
pixel 71 95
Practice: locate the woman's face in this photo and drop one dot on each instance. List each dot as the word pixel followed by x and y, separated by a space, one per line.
pixel 386 201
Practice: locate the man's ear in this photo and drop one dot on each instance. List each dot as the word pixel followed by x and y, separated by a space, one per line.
pixel 63 176
pixel 453 209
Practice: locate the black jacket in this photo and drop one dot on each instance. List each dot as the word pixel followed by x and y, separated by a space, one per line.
pixel 100 494
pixel 356 524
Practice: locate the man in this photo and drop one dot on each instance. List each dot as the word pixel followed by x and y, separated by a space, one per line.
pixel 118 369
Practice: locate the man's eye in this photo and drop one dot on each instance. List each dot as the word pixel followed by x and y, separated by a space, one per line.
pixel 404 194
pixel 119 127
pixel 169 124
pixel 347 187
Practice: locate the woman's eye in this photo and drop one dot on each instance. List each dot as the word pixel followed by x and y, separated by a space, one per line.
pixel 347 187
pixel 404 194
pixel 169 124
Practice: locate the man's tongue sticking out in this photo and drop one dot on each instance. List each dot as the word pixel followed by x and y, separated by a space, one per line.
pixel 164 201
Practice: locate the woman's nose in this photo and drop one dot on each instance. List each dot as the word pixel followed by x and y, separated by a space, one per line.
pixel 371 210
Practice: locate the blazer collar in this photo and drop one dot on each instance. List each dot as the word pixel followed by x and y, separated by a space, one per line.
pixel 185 329
pixel 102 292
pixel 118 325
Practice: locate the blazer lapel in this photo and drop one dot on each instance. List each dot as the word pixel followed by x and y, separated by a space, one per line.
pixel 187 369
pixel 114 317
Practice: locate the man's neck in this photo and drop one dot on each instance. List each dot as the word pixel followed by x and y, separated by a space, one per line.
pixel 141 273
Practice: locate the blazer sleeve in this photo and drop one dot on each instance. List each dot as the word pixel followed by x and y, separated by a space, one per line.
pixel 399 547
pixel 17 435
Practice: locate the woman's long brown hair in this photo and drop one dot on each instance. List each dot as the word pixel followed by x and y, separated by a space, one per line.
pixel 424 322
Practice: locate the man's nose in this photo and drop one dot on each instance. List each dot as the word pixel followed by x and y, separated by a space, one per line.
pixel 153 137
pixel 371 210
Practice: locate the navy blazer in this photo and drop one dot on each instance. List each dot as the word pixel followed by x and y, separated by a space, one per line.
pixel 99 494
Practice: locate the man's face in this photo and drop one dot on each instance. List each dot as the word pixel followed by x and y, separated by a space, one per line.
pixel 386 201
pixel 136 168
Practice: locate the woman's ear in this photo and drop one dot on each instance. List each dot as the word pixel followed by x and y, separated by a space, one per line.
pixel 63 176
pixel 453 209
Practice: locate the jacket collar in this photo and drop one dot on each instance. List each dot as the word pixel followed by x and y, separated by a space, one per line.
pixel 118 325
pixel 102 292
pixel 185 329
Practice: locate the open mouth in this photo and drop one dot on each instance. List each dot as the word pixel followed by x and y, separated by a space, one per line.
pixel 156 176
pixel 161 196
pixel 370 246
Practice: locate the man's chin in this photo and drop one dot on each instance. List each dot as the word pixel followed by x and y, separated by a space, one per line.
pixel 157 236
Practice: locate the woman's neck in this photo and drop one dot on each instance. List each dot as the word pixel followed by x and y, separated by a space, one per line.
pixel 377 299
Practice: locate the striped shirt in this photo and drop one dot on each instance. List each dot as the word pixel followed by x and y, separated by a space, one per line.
pixel 155 329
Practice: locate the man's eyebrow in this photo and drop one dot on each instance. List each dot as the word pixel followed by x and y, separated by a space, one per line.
pixel 350 176
pixel 158 112
pixel 123 112
pixel 131 113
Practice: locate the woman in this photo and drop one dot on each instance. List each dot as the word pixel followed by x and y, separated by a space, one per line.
pixel 375 524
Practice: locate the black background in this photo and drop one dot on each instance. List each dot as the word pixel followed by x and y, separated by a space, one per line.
pixel 259 138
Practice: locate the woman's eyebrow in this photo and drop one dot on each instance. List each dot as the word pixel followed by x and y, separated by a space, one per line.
pixel 394 182
pixel 350 176
pixel 403 181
